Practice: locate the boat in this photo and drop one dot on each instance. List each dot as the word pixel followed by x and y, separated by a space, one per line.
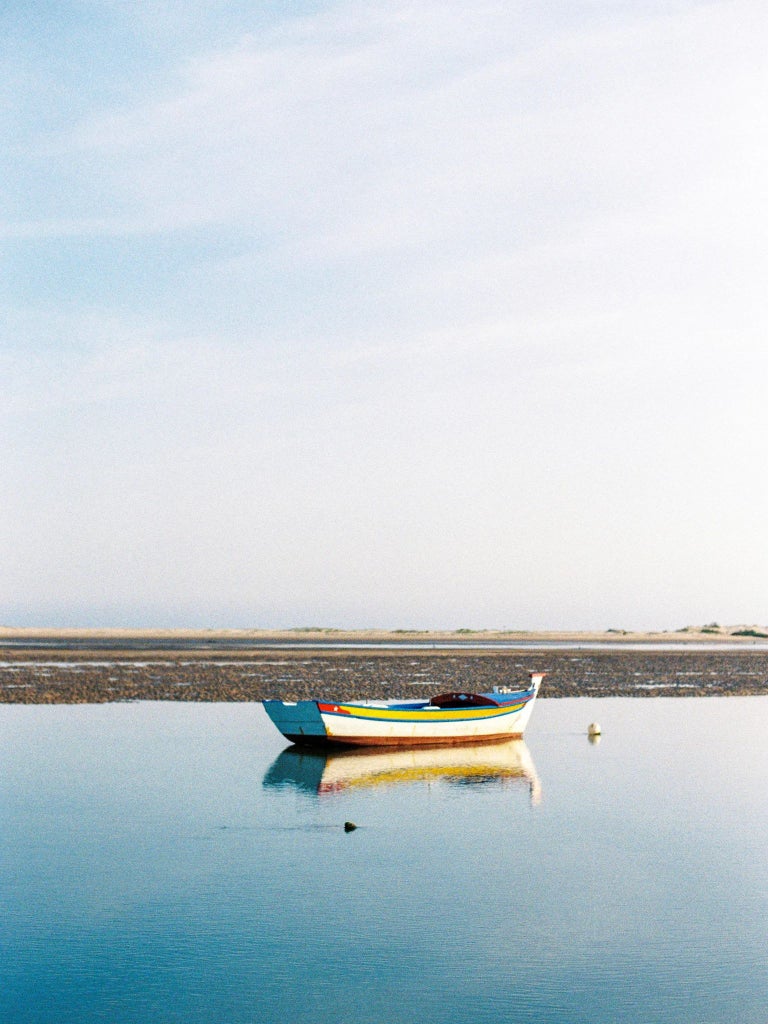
pixel 448 718
pixel 326 772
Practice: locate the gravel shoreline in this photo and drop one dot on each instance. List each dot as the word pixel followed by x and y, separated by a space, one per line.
pixel 90 677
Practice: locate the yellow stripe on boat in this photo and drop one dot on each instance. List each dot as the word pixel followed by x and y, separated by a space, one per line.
pixel 412 715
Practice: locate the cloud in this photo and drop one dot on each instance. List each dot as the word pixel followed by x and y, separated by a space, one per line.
pixel 401 165
pixel 397 127
pixel 388 312
pixel 413 152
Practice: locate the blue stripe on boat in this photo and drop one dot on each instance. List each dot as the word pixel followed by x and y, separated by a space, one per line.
pixel 434 718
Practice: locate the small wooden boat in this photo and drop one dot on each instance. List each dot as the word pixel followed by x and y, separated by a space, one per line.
pixel 447 718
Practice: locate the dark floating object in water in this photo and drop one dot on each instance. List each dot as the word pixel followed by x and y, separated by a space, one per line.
pixel 349 826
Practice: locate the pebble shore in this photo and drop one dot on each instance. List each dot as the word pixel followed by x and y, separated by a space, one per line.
pixel 90 677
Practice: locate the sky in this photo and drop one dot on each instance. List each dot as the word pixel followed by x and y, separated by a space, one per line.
pixel 383 314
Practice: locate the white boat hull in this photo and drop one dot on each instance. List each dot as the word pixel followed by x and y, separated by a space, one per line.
pixel 390 723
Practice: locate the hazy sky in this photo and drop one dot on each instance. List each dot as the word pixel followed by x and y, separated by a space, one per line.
pixel 393 314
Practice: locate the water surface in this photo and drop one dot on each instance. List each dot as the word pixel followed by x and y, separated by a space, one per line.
pixel 171 862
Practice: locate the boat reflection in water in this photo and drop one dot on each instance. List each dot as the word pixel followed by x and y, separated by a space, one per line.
pixel 322 773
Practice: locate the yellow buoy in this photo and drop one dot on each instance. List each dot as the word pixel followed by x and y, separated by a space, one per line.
pixel 594 729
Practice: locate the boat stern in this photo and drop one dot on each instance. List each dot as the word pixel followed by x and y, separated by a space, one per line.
pixel 299 721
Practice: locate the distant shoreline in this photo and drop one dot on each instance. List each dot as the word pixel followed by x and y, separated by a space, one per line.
pixel 82 638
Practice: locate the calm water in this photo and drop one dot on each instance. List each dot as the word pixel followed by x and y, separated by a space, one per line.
pixel 167 863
